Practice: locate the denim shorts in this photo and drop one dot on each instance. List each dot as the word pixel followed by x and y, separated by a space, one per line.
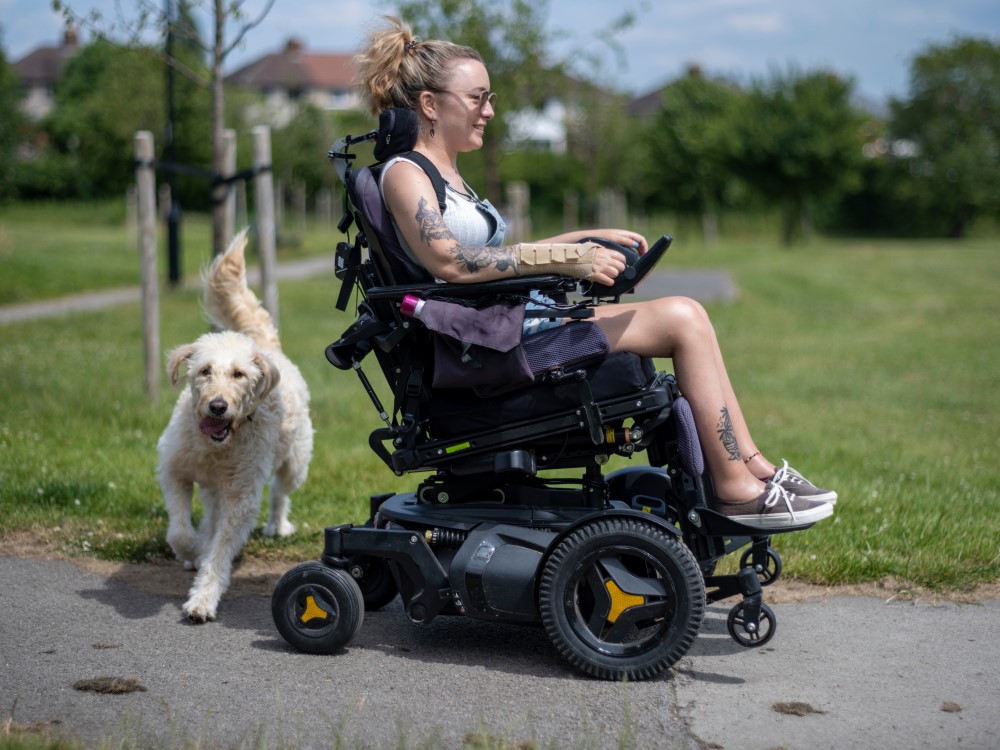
pixel 535 325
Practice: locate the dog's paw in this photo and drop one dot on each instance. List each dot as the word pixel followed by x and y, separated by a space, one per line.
pixel 284 528
pixel 198 613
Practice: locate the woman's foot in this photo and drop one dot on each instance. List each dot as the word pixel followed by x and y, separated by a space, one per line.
pixel 798 485
pixel 775 508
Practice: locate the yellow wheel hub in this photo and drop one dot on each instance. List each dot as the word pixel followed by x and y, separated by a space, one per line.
pixel 620 601
pixel 313 611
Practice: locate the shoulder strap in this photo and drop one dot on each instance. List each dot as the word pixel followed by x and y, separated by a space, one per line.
pixel 436 179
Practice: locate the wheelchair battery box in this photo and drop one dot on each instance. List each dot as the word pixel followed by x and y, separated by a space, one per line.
pixel 493 573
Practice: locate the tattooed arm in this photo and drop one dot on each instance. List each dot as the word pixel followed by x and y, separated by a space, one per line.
pixel 467 260
pixel 412 202
pixel 410 198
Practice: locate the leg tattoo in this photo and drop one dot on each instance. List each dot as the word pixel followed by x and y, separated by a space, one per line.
pixel 725 430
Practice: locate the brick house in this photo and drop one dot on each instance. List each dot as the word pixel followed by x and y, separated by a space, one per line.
pixel 293 76
pixel 38 72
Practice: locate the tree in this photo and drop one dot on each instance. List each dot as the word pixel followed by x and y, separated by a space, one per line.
pixel 10 124
pixel 147 16
pixel 798 140
pixel 687 148
pixel 90 129
pixel 953 118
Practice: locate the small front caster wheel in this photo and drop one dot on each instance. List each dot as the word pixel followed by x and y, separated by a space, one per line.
pixel 748 633
pixel 316 608
pixel 767 573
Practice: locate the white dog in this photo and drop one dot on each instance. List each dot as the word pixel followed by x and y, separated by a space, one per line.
pixel 243 419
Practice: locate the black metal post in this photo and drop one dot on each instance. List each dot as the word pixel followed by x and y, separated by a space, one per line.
pixel 174 212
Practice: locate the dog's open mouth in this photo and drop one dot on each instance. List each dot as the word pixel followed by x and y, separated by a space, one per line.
pixel 216 429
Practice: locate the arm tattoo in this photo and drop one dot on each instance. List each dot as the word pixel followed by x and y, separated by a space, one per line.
pixel 472 259
pixel 725 430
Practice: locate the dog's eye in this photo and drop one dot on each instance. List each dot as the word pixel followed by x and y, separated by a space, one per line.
pixel 206 371
pixel 239 374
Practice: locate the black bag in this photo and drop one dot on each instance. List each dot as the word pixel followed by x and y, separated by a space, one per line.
pixel 482 349
pixel 476 347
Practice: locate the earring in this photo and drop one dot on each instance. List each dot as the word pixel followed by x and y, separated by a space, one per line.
pixel 433 123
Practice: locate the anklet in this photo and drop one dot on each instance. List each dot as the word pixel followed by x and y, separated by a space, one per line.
pixel 751 457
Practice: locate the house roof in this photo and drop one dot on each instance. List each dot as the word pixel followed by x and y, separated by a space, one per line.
pixel 647 104
pixel 44 66
pixel 293 67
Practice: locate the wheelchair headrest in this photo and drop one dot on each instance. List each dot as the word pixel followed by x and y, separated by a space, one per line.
pixel 397 132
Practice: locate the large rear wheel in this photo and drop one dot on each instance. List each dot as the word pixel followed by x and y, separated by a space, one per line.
pixel 621 597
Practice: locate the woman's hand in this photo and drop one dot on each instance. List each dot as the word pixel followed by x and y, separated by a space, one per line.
pixel 608 265
pixel 624 237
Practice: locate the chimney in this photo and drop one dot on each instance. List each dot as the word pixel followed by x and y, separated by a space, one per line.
pixel 294 47
pixel 70 38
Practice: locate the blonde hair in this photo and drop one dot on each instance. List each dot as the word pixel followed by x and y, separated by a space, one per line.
pixel 396 66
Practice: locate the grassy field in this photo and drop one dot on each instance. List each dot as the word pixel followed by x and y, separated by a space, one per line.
pixel 870 365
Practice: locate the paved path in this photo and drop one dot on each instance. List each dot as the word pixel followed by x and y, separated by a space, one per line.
pixel 96 300
pixel 840 672
pixel 702 285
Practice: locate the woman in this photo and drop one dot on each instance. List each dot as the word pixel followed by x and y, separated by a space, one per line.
pixel 448 87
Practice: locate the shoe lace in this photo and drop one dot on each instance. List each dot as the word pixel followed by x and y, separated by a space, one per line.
pixel 776 493
pixel 785 472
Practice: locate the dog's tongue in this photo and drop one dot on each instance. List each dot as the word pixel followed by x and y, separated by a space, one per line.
pixel 210 426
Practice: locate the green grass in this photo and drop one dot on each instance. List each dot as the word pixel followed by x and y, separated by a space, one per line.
pixel 870 365
pixel 53 249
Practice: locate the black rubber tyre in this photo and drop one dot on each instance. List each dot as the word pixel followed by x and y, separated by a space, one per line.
pixel 377 584
pixel 316 608
pixel 741 631
pixel 772 567
pixel 621 597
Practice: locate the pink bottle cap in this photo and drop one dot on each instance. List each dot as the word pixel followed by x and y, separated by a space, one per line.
pixel 409 305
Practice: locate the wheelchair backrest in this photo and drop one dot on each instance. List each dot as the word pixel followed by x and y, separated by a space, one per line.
pixel 373 217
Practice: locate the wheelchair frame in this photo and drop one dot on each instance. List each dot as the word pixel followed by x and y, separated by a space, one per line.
pixel 617 568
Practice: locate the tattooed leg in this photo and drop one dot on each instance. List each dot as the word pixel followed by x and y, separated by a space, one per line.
pixel 727 435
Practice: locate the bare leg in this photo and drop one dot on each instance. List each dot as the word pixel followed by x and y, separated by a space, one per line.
pixel 679 328
pixel 756 462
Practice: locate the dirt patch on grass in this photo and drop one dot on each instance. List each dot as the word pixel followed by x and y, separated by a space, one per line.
pixel 256 577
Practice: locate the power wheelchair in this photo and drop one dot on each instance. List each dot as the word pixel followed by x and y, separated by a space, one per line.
pixel 516 521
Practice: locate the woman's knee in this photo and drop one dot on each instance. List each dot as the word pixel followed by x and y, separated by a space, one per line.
pixel 682 313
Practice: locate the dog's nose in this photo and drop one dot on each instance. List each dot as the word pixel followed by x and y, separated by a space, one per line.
pixel 218 406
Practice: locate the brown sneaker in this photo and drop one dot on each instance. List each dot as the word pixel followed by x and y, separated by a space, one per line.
pixel 797 484
pixel 775 508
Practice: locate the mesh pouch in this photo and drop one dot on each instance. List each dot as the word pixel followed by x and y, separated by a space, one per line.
pixel 548 355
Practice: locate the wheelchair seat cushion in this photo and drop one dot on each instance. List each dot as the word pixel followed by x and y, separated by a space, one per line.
pixel 456 411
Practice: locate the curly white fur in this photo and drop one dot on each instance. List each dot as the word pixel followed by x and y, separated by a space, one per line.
pixel 242 419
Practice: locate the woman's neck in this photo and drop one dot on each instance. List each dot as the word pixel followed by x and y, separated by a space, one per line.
pixel 447 163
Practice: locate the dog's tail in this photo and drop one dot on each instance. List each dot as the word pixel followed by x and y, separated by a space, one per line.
pixel 231 304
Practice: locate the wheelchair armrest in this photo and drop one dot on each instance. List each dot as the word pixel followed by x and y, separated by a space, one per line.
pixel 517 285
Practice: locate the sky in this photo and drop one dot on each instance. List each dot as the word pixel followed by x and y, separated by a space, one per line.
pixel 870 41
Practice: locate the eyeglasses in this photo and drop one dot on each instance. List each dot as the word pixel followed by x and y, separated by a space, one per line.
pixel 482 99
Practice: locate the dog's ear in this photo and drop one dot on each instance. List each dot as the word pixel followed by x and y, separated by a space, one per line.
pixel 270 376
pixel 178 357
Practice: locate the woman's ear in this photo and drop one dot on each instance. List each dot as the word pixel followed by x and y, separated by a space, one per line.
pixel 428 105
